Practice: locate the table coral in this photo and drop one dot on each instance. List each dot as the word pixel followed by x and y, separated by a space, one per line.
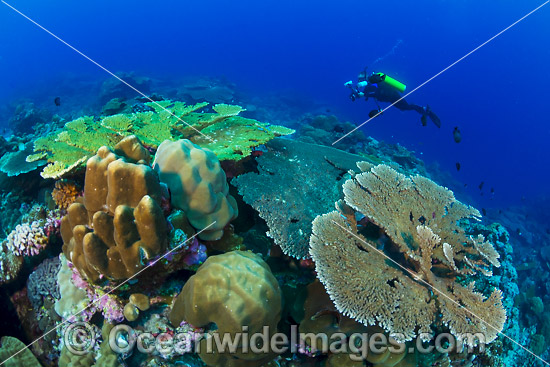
pixel 419 217
pixel 232 290
pixel 198 186
pixel 119 225
pixel 296 181
pixel 230 136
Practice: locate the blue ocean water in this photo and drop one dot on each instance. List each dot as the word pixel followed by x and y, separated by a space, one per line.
pixel 306 50
pixel 497 96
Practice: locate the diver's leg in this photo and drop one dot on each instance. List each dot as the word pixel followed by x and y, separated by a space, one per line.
pixel 435 119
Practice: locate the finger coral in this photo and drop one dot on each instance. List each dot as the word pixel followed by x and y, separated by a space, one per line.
pixel 422 221
pixel 119 225
pixel 198 186
pixel 232 290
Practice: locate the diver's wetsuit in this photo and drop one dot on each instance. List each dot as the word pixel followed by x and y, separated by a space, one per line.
pixel 384 93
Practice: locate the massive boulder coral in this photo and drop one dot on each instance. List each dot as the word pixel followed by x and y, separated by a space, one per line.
pixel 403 287
pixel 232 290
pixel 119 225
pixel 198 186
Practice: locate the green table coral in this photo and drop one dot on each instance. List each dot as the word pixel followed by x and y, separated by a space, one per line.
pixel 229 136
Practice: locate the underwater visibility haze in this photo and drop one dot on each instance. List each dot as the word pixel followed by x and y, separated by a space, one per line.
pixel 214 170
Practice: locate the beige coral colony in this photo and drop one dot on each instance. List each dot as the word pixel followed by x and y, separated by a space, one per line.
pixel 405 285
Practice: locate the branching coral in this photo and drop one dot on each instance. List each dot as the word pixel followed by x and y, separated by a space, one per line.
pixel 198 186
pixel 232 290
pixel 27 239
pixel 417 215
pixel 65 193
pixel 120 225
pixel 228 135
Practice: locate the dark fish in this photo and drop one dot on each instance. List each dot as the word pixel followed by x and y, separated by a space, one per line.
pixel 547 230
pixel 465 185
pixel 458 166
pixel 456 135
pixel 422 220
pixel 57 101
pixel 483 211
pixel 492 190
pixel 481 185
pixel 424 120
pixel 499 211
pixel 374 113
pixel 411 216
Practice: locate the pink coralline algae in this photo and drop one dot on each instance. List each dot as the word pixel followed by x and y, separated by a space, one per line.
pixel 102 301
pixel 53 223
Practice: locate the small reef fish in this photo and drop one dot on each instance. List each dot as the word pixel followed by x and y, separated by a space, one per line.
pixel 57 101
pixel 483 211
pixel 481 185
pixel 457 166
pixel 456 135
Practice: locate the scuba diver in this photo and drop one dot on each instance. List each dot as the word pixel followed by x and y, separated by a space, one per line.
pixel 383 88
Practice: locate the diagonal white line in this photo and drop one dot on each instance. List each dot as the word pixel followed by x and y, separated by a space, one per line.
pixel 447 68
pixel 103 68
pixel 112 290
pixel 438 291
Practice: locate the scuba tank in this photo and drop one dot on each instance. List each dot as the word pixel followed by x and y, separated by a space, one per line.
pixel 383 78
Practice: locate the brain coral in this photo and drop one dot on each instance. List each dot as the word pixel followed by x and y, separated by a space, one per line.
pixel 197 185
pixel 232 290
pixel 421 218
pixel 119 225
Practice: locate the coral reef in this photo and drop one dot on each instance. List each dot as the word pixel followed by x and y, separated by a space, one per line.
pixel 65 192
pixel 229 136
pixel 72 299
pixel 421 219
pixel 232 290
pixel 120 225
pixel 290 174
pixel 43 282
pixel 27 239
pixel 198 186
pixel 15 163
pixel 26 116
pixel 10 264
pixel 10 355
